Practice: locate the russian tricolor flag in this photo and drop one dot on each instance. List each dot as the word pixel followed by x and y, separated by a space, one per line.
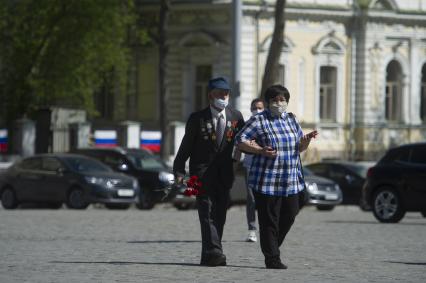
pixel 151 140
pixel 3 140
pixel 105 138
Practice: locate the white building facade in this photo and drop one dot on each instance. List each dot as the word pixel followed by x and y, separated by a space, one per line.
pixel 356 70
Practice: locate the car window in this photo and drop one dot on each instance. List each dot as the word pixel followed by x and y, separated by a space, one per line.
pixel 51 164
pixel 319 169
pixel 359 170
pixel 145 161
pixel 337 172
pixel 81 164
pixel 31 164
pixel 400 154
pixel 418 155
pixel 113 160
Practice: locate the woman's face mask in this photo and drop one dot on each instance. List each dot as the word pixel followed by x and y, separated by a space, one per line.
pixel 278 107
pixel 256 111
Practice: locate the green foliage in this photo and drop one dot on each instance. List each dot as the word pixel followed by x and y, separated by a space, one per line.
pixel 60 52
pixel 363 4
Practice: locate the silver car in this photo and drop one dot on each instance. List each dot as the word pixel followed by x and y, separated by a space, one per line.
pixel 323 193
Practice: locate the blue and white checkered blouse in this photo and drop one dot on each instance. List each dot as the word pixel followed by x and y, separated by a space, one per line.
pixel 280 175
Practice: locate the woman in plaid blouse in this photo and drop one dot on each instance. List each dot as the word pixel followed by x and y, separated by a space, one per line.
pixel 275 139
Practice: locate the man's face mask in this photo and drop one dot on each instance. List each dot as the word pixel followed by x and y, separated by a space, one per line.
pixel 278 108
pixel 221 103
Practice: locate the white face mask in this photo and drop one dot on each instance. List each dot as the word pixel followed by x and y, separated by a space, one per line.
pixel 278 108
pixel 221 103
pixel 257 111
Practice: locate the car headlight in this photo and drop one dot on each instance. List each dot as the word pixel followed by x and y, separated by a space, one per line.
pixel 99 181
pixel 166 177
pixel 312 187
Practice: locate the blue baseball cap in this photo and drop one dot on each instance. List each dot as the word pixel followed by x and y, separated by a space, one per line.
pixel 219 82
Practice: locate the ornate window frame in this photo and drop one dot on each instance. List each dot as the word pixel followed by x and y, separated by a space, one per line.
pixel 330 51
pixel 405 95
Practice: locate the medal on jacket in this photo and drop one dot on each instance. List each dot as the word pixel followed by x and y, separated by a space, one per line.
pixel 210 130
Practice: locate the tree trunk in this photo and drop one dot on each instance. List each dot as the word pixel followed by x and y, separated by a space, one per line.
pixel 270 75
pixel 163 51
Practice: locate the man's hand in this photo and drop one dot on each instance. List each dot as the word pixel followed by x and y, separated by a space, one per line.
pixel 178 180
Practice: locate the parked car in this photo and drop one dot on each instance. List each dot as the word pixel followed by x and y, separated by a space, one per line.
pixel 350 176
pixel 154 176
pixel 323 193
pixel 65 178
pixel 397 183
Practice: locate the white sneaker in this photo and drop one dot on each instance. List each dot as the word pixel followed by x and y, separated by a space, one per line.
pixel 251 236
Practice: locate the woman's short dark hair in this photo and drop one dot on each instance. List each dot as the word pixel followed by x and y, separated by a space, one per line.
pixel 276 90
pixel 255 101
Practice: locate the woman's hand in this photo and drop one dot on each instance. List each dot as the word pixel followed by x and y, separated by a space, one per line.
pixel 268 152
pixel 253 147
pixel 306 139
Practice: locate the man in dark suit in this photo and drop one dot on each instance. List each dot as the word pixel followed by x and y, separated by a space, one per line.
pixel 209 143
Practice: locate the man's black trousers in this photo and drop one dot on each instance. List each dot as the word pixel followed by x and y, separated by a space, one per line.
pixel 276 215
pixel 212 208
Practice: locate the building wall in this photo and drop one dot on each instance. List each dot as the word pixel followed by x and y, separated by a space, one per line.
pixel 364 42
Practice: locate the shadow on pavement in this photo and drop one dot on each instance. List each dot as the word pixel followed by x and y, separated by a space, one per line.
pixel 407 262
pixel 372 222
pixel 175 241
pixel 164 242
pixel 147 263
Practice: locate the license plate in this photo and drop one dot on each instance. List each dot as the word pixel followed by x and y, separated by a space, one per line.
pixel 126 193
pixel 331 197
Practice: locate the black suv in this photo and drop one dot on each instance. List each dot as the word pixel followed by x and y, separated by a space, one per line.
pixel 155 177
pixel 397 183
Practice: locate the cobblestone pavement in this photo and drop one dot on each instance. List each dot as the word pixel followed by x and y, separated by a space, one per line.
pixel 163 245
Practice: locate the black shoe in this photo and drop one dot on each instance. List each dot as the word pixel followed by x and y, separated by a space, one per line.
pixel 214 260
pixel 275 264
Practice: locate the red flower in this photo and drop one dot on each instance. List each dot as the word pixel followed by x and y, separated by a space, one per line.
pixel 193 187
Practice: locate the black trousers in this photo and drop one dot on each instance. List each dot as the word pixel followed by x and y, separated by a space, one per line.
pixel 276 215
pixel 212 208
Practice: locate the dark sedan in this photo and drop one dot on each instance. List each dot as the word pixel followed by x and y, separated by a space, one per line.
pixel 349 175
pixel 154 176
pixel 65 178
pixel 397 183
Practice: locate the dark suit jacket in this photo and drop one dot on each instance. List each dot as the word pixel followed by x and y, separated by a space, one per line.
pixel 207 160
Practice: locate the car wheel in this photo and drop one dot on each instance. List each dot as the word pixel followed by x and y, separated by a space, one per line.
pixel 8 198
pixel 145 201
pixel 324 207
pixel 387 206
pixel 76 199
pixel 117 205
pixel 424 213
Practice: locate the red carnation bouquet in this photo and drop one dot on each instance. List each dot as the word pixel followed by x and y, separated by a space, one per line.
pixel 193 187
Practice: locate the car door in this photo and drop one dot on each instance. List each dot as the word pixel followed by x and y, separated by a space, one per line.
pixel 54 180
pixel 416 178
pixel 348 182
pixel 28 179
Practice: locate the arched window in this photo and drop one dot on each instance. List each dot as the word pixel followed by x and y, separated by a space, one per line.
pixel 423 95
pixel 393 95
